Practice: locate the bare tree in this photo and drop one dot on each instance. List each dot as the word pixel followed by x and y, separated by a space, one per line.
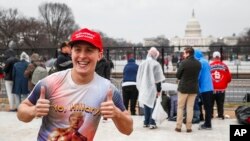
pixel 59 21
pixel 32 33
pixel 9 27
pixel 111 42
pixel 245 38
pixel 244 43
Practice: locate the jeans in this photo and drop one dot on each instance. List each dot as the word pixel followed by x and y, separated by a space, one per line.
pixel 148 116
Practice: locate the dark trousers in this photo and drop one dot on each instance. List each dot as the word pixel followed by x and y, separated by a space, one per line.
pixel 207 100
pixel 200 107
pixel 130 94
pixel 219 98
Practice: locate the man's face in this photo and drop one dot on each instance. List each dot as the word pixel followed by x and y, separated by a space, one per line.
pixel 68 49
pixel 76 121
pixel 84 58
pixel 185 54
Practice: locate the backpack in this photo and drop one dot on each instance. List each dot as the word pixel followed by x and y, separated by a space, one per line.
pixel 38 74
pixel 242 114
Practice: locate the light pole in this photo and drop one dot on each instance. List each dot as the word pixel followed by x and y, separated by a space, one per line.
pixel 237 63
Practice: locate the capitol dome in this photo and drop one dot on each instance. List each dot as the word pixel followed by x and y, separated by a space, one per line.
pixel 193 28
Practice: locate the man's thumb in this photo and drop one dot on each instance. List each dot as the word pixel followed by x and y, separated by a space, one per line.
pixel 109 95
pixel 42 92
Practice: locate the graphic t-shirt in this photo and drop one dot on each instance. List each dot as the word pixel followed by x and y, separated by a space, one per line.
pixel 74 109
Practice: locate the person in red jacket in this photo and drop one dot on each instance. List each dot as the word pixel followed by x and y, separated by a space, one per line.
pixel 221 76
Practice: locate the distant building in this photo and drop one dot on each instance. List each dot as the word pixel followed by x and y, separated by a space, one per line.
pixel 150 42
pixel 230 40
pixel 193 37
pixel 158 41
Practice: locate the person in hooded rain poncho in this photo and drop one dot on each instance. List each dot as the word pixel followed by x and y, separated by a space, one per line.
pixel 148 82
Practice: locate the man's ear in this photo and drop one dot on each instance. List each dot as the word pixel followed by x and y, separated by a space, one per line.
pixel 100 55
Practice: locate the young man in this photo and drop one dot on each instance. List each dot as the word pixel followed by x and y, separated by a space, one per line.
pixel 64 61
pixel 221 77
pixel 80 89
pixel 187 75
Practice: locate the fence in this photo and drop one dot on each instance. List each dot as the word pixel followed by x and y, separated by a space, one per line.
pixel 118 53
pixel 235 92
pixel 237 57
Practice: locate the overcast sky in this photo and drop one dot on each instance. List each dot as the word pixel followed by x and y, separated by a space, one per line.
pixel 134 20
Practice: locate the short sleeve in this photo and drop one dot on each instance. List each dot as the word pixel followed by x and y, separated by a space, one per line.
pixel 117 98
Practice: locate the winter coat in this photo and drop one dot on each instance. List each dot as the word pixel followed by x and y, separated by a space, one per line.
pixel 63 62
pixel 221 75
pixel 103 68
pixel 130 71
pixel 9 64
pixel 20 83
pixel 188 74
pixel 205 78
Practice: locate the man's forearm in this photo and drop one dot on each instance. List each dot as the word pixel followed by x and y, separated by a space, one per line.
pixel 124 122
pixel 25 113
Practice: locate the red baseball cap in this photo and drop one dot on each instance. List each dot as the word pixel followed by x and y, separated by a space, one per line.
pixel 87 35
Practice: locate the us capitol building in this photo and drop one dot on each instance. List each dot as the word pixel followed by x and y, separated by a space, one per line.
pixel 193 37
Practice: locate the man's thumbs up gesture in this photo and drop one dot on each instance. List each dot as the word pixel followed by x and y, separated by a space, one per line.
pixel 42 105
pixel 108 108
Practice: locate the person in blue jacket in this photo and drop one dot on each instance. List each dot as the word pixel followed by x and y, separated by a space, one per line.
pixel 205 89
pixel 20 83
pixel 129 90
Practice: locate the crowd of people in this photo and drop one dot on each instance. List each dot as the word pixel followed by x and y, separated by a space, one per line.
pixel 79 89
pixel 22 73
pixel 200 85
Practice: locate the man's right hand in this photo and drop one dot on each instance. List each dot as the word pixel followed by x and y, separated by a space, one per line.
pixel 42 105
